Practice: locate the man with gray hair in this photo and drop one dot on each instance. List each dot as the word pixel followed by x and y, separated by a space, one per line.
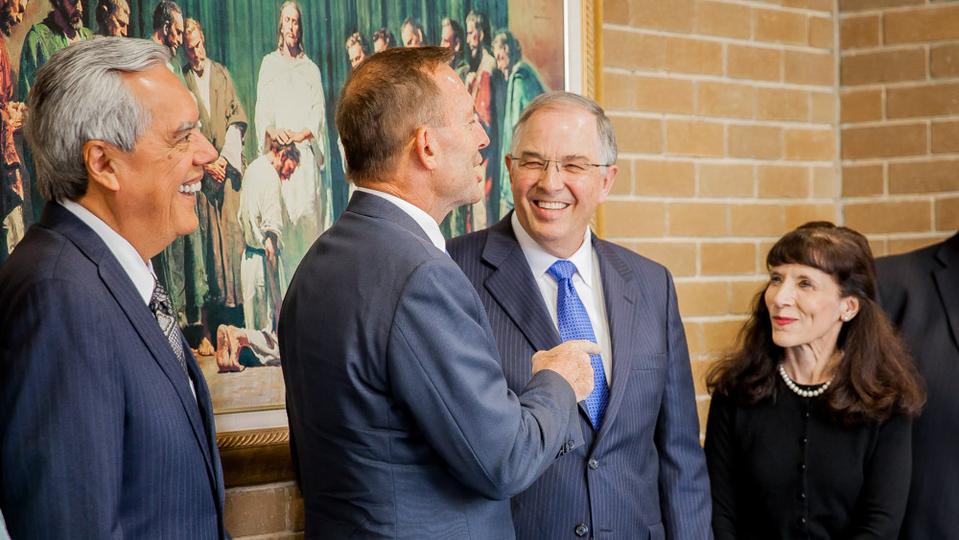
pixel 545 278
pixel 106 425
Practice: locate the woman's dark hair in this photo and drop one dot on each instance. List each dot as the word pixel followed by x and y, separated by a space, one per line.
pixel 876 377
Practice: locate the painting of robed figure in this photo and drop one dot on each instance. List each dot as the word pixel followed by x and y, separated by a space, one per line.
pixel 266 76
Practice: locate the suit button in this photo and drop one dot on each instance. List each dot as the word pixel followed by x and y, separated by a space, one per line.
pixel 581 530
pixel 593 464
pixel 570 445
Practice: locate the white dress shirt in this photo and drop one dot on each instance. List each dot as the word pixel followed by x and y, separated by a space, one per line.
pixel 586 281
pixel 424 220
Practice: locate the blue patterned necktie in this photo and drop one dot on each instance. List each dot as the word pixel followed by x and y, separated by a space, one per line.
pixel 574 324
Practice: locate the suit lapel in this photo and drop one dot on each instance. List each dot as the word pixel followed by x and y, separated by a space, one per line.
pixel 947 282
pixel 116 280
pixel 512 287
pixel 620 313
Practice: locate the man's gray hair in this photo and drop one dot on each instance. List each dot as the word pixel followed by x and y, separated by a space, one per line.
pixel 80 96
pixel 563 100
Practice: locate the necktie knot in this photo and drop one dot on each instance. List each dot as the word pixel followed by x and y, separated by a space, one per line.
pixel 160 301
pixel 562 269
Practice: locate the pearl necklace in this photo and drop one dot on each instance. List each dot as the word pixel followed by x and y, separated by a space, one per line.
pixel 799 391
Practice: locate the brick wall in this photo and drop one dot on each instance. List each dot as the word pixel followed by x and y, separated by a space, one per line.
pixel 726 117
pixel 900 120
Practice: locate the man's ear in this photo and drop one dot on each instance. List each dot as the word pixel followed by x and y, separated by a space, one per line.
pixel 608 179
pixel 425 149
pixel 100 158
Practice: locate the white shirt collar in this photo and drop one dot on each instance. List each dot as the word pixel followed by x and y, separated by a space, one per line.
pixel 140 272
pixel 540 260
pixel 424 220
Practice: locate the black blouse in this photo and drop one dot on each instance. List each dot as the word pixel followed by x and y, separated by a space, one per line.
pixel 786 469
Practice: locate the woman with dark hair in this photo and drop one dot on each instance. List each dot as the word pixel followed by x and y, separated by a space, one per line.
pixel 809 426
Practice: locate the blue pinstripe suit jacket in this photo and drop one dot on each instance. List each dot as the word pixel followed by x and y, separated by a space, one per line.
pixel 642 475
pixel 100 435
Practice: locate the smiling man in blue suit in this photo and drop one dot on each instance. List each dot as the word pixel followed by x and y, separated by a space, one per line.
pixel 544 278
pixel 106 426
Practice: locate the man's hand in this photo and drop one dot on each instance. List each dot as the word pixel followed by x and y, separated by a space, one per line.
pixel 217 169
pixel 300 136
pixel 571 361
pixel 279 136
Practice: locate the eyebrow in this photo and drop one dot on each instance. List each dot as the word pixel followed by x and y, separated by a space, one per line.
pixel 186 126
pixel 568 157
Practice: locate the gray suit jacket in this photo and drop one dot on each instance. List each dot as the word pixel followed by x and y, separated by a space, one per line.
pixel 920 292
pixel 100 435
pixel 643 475
pixel 402 425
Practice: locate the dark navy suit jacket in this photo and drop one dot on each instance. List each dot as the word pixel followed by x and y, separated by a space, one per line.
pixel 920 292
pixel 401 422
pixel 643 475
pixel 100 435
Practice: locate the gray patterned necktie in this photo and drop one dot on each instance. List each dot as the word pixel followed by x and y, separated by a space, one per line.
pixel 163 311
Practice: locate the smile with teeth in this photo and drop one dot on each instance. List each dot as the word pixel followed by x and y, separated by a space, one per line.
pixel 190 188
pixel 551 205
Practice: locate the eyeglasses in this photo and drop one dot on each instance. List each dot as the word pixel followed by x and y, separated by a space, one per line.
pixel 570 167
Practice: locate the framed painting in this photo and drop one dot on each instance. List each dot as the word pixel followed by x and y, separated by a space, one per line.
pixel 267 74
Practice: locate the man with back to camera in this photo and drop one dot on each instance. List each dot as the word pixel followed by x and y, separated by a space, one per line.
pixel 401 423
pixel 544 278
pixel 106 424
pixel 920 293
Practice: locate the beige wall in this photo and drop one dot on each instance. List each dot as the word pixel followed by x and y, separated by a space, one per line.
pixel 900 121
pixel 726 117
pixel 738 120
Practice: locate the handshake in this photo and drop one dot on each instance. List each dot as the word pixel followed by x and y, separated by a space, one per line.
pixel 571 361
